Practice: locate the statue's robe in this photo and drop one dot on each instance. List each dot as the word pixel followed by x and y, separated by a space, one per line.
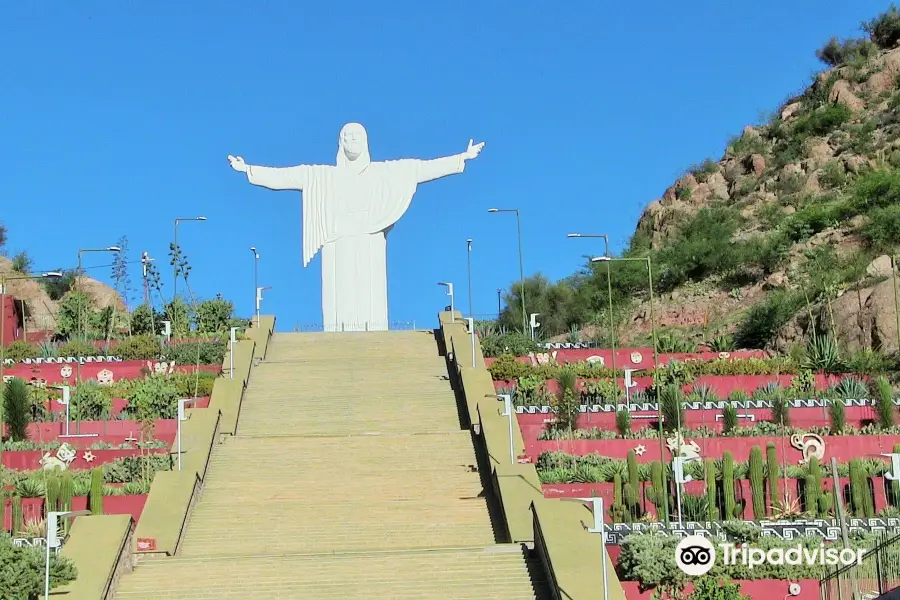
pixel 348 215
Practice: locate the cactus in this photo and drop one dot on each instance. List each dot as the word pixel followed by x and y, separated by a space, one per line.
pixel 51 493
pixel 66 490
pixel 757 492
pixel 656 494
pixel 711 507
pixel 617 489
pixel 773 472
pixel 629 498
pixel 729 419
pixel 18 521
pixel 633 477
pixel 623 423
pixel 96 497
pixel 813 486
pixel 2 512
pixel 728 486
pixel 826 503
pixel 859 489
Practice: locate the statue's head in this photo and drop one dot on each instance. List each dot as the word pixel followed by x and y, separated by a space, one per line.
pixel 353 141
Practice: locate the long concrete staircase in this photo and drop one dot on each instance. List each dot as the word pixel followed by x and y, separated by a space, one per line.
pixel 350 478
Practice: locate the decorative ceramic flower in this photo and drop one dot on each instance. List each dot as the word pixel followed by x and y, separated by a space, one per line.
pixel 596 359
pixel 724 354
pixel 105 377
pixel 637 358
pixel 88 456
pixel 640 449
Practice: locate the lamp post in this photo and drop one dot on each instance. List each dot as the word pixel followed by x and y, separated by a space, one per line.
pixel 510 415
pixel 533 323
pixel 3 280
pixel 471 323
pixel 612 327
pixel 521 267
pixel 175 265
pixel 449 287
pixel 646 259
pixel 499 306
pixel 469 272
pixel 52 540
pixel 256 280
pixel 181 417
pixel 81 330
pixel 231 352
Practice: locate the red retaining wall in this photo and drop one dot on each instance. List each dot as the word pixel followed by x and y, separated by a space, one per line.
pixel 844 448
pixel 30 460
pixel 623 356
pixel 52 373
pixel 118 405
pixel 33 508
pixel 532 424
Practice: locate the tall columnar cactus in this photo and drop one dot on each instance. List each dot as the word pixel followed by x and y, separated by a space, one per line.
pixel 18 521
pixel 629 497
pixel 96 497
pixel 859 489
pixel 66 491
pixel 712 509
pixel 757 491
pixel 656 494
pixel 633 477
pixel 813 486
pixel 617 510
pixel 51 493
pixel 773 472
pixel 728 486
pixel 2 512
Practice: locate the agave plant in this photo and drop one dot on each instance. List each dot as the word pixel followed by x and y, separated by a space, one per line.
pixel 822 355
pixel 851 388
pixel 787 508
pixel 721 343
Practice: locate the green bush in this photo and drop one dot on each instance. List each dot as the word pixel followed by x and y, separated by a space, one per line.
pixel 90 402
pixel 882 231
pixel 838 52
pixel 154 397
pixel 200 352
pixel 186 382
pixel 885 28
pixel 77 349
pixel 19 351
pixel 23 570
pixel 139 347
pixel 823 120
pixel 513 343
pixel 763 320
pixel 16 408
pixel 506 368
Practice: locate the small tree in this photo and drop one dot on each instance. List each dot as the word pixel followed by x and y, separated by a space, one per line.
pixel 22 569
pixel 710 588
pixel 17 408
pixel 885 28
pixel 21 263
pixel 120 271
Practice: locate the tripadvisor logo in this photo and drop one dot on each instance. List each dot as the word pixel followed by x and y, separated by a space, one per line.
pixel 696 555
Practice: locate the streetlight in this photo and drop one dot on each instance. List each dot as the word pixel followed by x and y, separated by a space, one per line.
pixel 175 265
pixel 256 280
pixel 471 322
pixel 3 280
pixel 469 272
pixel 181 417
pixel 510 415
pixel 499 309
pixel 646 259
pixel 231 354
pixel 534 324
pixel 449 287
pixel 53 541
pixel 521 268
pixel 612 327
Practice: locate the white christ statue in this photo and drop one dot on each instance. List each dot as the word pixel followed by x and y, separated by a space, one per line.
pixel 348 210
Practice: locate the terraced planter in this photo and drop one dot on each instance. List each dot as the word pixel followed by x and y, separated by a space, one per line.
pixel 30 460
pixel 843 448
pixel 33 508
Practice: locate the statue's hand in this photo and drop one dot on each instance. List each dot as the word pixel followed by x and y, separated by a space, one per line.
pixel 237 163
pixel 473 150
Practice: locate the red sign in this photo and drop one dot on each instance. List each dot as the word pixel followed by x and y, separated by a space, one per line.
pixel 146 544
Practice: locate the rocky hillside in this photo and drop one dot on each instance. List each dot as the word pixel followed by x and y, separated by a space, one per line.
pixel 789 232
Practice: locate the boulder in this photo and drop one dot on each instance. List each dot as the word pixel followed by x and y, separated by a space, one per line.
pixel 880 267
pixel 842 93
pixel 756 164
pixel 790 110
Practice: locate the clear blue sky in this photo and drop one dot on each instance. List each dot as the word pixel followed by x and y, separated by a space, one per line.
pixel 117 118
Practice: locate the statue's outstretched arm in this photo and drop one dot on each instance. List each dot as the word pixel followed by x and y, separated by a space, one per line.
pixel 429 170
pixel 273 178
